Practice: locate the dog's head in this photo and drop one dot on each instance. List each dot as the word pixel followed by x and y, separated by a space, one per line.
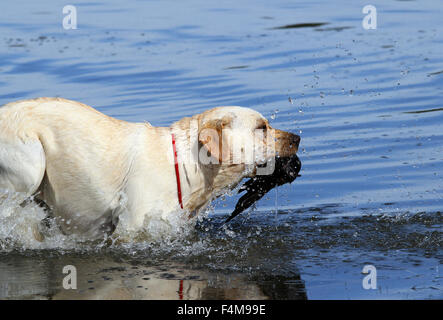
pixel 241 143
pixel 241 136
pixel 232 143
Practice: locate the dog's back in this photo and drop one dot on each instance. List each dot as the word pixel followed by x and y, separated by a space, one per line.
pixel 52 146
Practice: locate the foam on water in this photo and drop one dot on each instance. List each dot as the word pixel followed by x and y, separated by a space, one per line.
pixel 21 228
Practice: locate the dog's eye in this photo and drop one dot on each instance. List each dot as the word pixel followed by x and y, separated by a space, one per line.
pixel 262 127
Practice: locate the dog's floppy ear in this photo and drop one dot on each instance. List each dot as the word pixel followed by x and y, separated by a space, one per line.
pixel 211 137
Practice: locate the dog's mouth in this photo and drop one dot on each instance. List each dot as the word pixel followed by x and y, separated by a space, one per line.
pixel 286 170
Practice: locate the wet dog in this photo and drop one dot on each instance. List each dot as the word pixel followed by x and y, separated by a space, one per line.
pixel 88 168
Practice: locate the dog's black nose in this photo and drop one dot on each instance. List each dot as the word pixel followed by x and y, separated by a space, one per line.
pixel 295 140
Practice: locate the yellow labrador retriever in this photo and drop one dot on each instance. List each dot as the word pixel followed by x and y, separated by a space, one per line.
pixel 88 168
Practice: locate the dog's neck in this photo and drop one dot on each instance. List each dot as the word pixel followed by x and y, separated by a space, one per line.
pixel 200 183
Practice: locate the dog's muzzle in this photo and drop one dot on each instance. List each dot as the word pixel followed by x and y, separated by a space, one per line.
pixel 286 170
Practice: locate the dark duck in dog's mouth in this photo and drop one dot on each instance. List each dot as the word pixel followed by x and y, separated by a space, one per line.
pixel 286 171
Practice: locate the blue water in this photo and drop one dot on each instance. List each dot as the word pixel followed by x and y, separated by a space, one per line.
pixel 367 104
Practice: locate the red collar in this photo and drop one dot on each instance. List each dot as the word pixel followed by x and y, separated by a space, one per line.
pixel 177 172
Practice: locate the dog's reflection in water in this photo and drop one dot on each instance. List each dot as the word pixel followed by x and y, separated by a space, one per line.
pixel 102 278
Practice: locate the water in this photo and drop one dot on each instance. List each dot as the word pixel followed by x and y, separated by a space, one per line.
pixel 367 104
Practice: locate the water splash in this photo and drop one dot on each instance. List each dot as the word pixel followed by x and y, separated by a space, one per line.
pixel 21 226
pixel 24 226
